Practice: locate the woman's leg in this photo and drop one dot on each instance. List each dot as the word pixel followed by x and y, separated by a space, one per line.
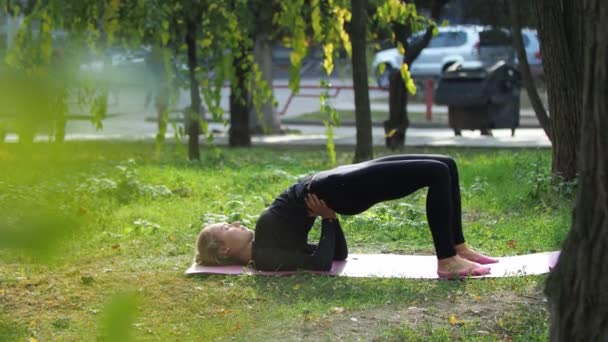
pixel 458 236
pixel 353 189
pixel 459 242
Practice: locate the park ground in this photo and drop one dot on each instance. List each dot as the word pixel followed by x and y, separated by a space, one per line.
pixel 97 236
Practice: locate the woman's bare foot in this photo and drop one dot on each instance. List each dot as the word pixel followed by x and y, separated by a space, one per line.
pixel 456 266
pixel 464 251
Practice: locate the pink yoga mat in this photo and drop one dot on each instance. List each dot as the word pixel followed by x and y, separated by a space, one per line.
pixel 403 266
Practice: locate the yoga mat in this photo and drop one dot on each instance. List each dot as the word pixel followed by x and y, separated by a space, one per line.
pixel 402 266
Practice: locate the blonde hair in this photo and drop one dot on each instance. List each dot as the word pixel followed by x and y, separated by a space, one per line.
pixel 207 249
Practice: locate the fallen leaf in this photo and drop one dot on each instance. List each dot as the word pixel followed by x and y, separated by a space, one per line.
pixel 296 287
pixel 171 238
pixel 453 320
pixel 511 243
pixel 337 310
pixel 115 246
pixel 237 326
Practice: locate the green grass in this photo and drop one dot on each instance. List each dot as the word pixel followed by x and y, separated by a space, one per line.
pixel 98 223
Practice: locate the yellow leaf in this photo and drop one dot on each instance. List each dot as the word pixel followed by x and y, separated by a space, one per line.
pixel 381 68
pixel 171 237
pixel 407 78
pixel 400 48
pixel 164 37
pixel 391 133
pixel 205 42
pixel 295 58
pixel 328 65
pixel 337 310
pixel 33 339
pixel 296 287
pixel 453 319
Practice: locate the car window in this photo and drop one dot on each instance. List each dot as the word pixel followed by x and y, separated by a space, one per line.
pixel 494 37
pixel 448 39
pixel 415 39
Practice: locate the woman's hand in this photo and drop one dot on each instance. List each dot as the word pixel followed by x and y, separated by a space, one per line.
pixel 317 207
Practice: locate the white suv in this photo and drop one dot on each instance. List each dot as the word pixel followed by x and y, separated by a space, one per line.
pixel 471 46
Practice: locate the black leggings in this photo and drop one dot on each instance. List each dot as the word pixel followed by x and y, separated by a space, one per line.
pixel 352 189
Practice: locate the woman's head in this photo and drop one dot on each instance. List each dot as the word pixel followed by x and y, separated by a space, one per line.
pixel 224 243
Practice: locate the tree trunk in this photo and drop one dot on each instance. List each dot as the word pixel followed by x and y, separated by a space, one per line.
pixel 518 42
pixel 577 287
pixel 560 32
pixel 363 116
pixel 398 121
pixel 267 120
pixel 239 134
pixel 193 117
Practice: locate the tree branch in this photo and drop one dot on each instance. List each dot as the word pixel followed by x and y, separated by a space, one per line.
pixel 539 109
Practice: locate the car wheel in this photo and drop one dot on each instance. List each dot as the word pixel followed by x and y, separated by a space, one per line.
pixel 384 79
pixel 446 66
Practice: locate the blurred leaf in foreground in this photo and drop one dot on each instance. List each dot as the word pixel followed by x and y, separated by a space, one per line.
pixel 35 231
pixel 118 318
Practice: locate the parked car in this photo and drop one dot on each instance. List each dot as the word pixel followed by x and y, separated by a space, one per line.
pixel 470 45
pixel 532 47
pixel 117 57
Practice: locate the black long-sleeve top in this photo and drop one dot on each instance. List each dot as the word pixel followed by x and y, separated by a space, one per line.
pixel 281 236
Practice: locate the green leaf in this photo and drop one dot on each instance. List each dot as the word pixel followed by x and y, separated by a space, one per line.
pixel 164 37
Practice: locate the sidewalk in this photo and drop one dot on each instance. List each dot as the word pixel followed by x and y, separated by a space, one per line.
pixel 118 128
pixel 128 121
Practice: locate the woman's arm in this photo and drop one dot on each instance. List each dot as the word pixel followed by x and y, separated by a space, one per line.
pixel 320 258
pixel 340 248
pixel 317 207
pixel 276 259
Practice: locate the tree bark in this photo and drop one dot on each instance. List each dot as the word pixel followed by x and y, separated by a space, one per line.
pixel 524 67
pixel 398 122
pixel 239 134
pixel 267 120
pixel 560 32
pixel 577 287
pixel 363 116
pixel 194 114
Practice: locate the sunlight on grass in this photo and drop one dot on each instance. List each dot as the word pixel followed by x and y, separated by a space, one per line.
pixel 115 217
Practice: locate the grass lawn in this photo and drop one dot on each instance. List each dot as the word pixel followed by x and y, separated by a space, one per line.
pixel 94 239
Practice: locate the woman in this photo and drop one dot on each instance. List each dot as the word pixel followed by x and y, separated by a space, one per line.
pixel 281 234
